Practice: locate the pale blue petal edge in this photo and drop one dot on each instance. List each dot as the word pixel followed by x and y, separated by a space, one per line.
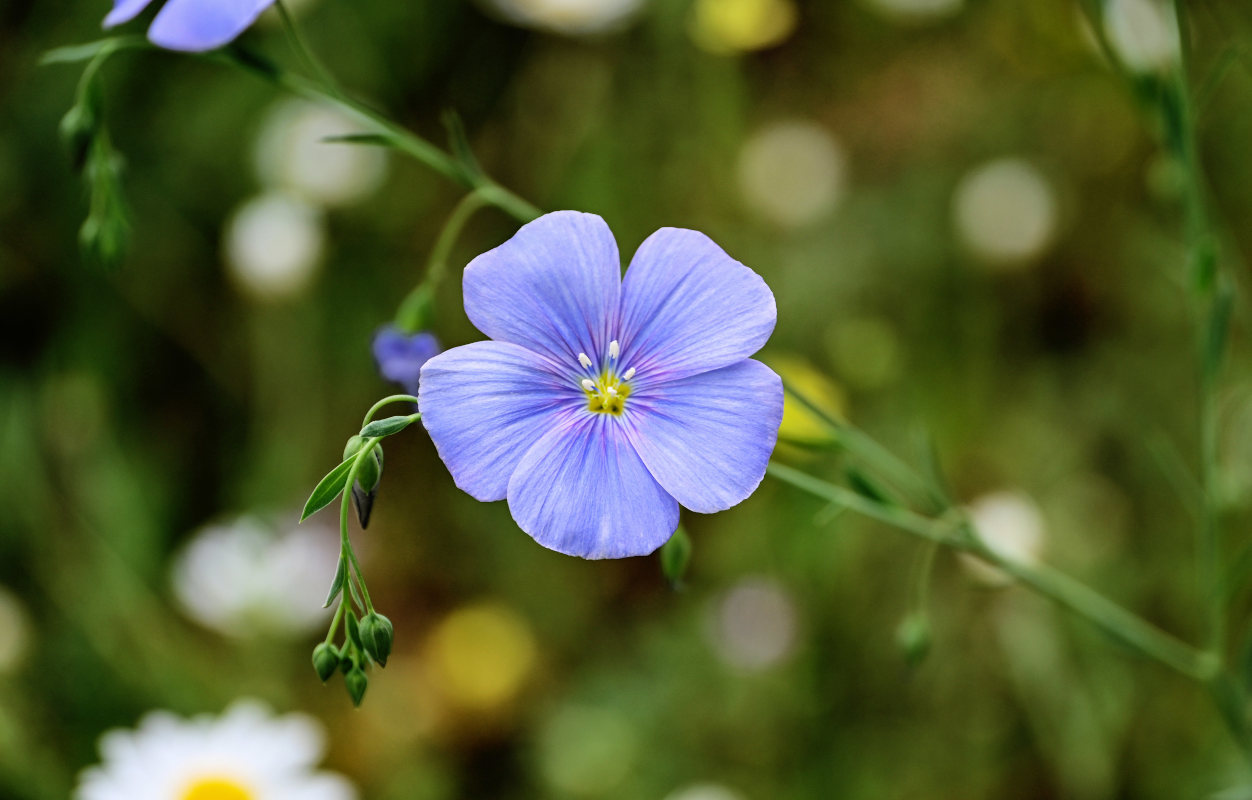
pixel 582 490
pixel 124 11
pixel 707 438
pixel 485 405
pixel 687 307
pixel 553 288
pixel 195 26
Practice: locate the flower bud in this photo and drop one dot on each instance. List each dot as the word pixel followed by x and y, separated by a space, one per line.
pixel 325 660
pixel 377 635
pixel 913 638
pixel 356 683
pixel 353 447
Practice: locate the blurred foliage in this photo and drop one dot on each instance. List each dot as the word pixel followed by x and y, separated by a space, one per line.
pixel 139 403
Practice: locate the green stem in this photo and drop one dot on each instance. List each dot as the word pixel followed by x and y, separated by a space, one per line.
pixel 302 49
pixel 1140 635
pixel 411 310
pixel 397 136
pixel 345 543
pixel 395 398
pixel 334 622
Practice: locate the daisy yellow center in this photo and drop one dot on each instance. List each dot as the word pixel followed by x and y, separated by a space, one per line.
pixel 217 789
pixel 608 389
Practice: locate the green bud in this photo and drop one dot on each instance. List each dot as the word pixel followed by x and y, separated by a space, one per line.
pixel 371 470
pixel 675 556
pixel 325 660
pixel 78 129
pixel 356 683
pixel 913 638
pixel 377 635
pixel 353 447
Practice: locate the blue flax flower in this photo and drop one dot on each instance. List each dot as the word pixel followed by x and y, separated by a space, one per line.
pixel 192 25
pixel 603 403
pixel 400 355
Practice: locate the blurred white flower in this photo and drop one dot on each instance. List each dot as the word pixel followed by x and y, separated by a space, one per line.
pixel 1011 525
pixel 245 578
pixel 273 244
pixel 916 11
pixel 791 173
pixel 587 750
pixel 291 155
pixel 1005 212
pixel 14 631
pixel 1144 33
pixel 704 791
pixel 571 17
pixel 247 753
pixel 753 625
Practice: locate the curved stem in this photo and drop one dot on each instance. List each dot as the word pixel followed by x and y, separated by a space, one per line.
pixel 1132 630
pixel 394 398
pixel 412 313
pixel 396 135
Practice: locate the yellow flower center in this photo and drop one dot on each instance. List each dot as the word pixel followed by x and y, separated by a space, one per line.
pixel 607 391
pixel 217 789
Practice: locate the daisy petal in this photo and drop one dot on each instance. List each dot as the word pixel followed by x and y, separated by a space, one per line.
pixel 124 11
pixel 199 25
pixel 688 308
pixel 707 438
pixel 485 404
pixel 582 490
pixel 552 288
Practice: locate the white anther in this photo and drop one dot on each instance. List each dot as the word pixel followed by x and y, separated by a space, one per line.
pixel 630 373
pixel 588 385
pixel 611 391
pixel 615 349
pixel 582 359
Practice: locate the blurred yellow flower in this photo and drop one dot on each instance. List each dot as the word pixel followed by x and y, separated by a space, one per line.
pixel 730 26
pixel 800 423
pixel 481 655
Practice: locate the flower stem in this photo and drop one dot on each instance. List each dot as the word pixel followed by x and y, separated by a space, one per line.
pixel 395 398
pixel 394 135
pixel 411 307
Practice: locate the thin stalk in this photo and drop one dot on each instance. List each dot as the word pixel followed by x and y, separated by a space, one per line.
pixel 334 622
pixel 1139 635
pixel 345 543
pixel 396 135
pixel 395 398
pixel 410 312
pixel 311 61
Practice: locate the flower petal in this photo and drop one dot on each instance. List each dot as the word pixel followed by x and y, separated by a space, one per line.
pixel 485 404
pixel 688 308
pixel 400 355
pixel 552 288
pixel 707 438
pixel 124 11
pixel 199 25
pixel 582 490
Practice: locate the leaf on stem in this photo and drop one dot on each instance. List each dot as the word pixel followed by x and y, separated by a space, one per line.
pixel 336 586
pixel 386 427
pixel 327 490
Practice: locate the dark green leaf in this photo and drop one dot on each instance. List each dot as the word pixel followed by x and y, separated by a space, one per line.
pixel 336 586
pixel 327 490
pixel 385 427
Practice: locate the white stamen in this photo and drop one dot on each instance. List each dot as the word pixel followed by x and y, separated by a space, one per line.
pixel 611 391
pixel 630 373
pixel 588 385
pixel 582 359
pixel 615 349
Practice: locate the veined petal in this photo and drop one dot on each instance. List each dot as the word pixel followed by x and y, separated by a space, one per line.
pixel 199 25
pixel 552 288
pixel 124 11
pixel 582 490
pixel 707 438
pixel 485 404
pixel 688 308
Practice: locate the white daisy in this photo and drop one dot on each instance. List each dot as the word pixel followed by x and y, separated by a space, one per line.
pixel 247 753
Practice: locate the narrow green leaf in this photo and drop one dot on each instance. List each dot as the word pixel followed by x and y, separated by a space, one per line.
pixel 385 427
pixel 354 631
pixel 77 53
pixel 327 490
pixel 371 139
pixel 336 586
pixel 676 556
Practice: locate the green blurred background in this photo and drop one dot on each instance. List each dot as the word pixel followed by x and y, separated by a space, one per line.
pixel 971 231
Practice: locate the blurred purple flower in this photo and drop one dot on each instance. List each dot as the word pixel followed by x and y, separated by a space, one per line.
pixel 192 25
pixel 605 403
pixel 400 355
